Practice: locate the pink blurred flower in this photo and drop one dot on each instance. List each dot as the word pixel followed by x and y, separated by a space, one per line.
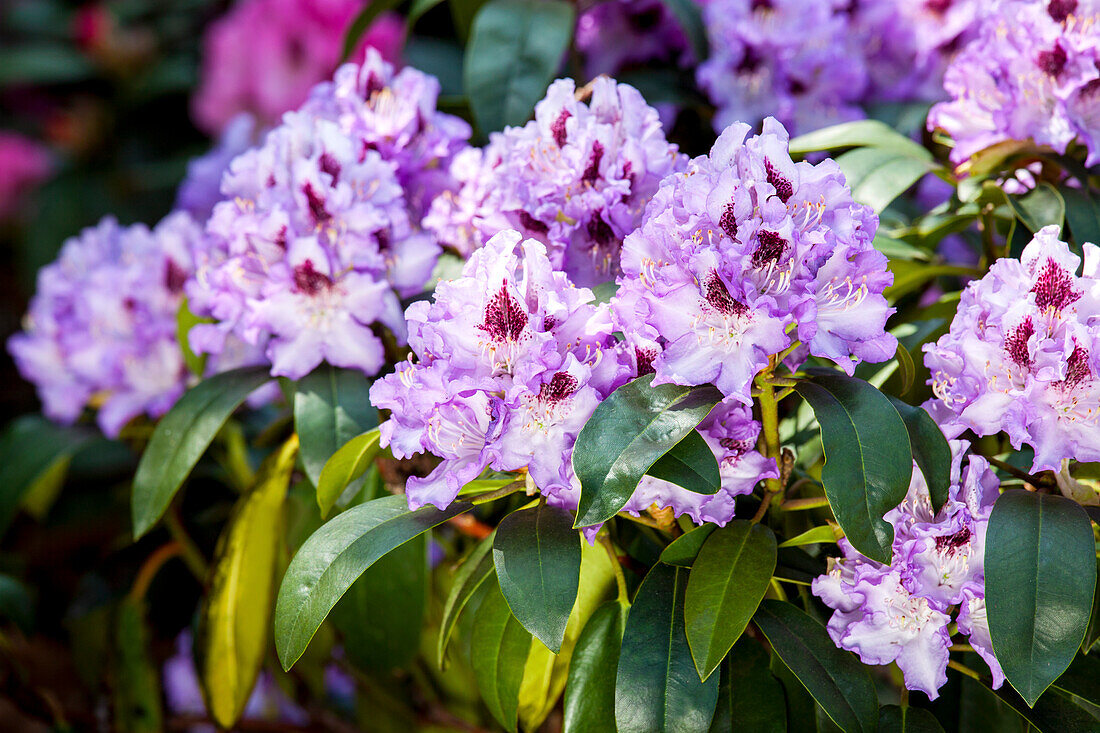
pixel 264 56
pixel 24 164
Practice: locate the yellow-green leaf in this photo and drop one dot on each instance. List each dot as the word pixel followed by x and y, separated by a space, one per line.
pixel 346 465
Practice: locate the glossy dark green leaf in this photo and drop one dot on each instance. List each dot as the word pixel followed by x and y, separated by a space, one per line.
pixel 626 435
pixel 980 710
pixel 498 651
pixel 182 436
pixel 463 13
pixel 335 555
pixel 801 708
pixel 1039 207
pixel 137 694
pixel 750 698
pixel 382 636
pixel 894 719
pixel 868 459
pixel 869 133
pixel 590 691
pixel 930 450
pixel 835 678
pixel 906 367
pixel 537 555
pixel 346 466
pixel 331 406
pixel 1054 712
pixel 1040 574
pixel 515 49
pixel 684 549
pixel 657 689
pixel 1092 633
pixel 690 464
pixel 1082 679
pixel 877 176
pixel 15 603
pixel 475 568
pixel 689 16
pixel 727 582
pixel 30 447
pixel 1082 215
pixel 362 23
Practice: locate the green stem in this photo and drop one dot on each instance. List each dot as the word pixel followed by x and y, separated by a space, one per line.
pixel 769 418
pixel 959 667
pixel 189 552
pixel 812 502
pixel 620 579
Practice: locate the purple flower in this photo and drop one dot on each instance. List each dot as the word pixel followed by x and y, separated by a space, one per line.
pixel 101 329
pixel 1022 354
pixel 901 612
pixel 1033 73
pixel 201 188
pixel 743 252
pixel 577 178
pixel 615 35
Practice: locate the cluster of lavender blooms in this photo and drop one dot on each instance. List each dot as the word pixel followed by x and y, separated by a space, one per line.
pixel 264 56
pixel 901 612
pixel 1023 354
pixel 319 231
pixel 577 178
pixel 613 35
pixel 25 164
pixel 101 329
pixel 201 187
pixel 1033 73
pixel 741 255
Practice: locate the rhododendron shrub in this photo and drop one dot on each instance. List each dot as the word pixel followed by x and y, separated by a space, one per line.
pixel 664 366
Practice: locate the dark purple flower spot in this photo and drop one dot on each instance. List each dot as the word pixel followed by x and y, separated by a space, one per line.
pixel 174 276
pixel 645 358
pixel 728 222
pixel 1016 343
pixel 1090 89
pixel 939 7
pixel 560 386
pixel 1077 367
pixel 592 171
pixel 762 5
pixel 505 318
pixel 797 87
pixel 719 297
pixel 953 542
pixel 750 61
pixel 599 231
pixel 770 248
pixel 373 85
pixel 1054 287
pixel 382 236
pixel 532 224
pixel 316 205
pixel 557 129
pixel 548 323
pixel 307 280
pixel 129 304
pixel 1052 62
pixel 329 165
pixel 1061 9
pixel 647 19
pixel 783 188
pixel 736 447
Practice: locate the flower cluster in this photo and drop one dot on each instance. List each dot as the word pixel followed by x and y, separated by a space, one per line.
pixel 101 329
pixel 577 178
pixel 25 165
pixel 1033 73
pixel 317 238
pixel 744 250
pixel 1023 354
pixel 264 56
pixel 201 188
pixel 901 612
pixel 615 35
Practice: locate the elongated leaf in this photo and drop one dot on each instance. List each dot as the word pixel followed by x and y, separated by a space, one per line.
pixel 362 22
pixel 877 176
pixel 685 548
pixel 1092 633
pixel 894 719
pixel 590 691
pixel 907 369
pixel 338 553
pixel 1040 574
pixel 868 459
pixel 837 681
pixel 182 436
pixel 910 276
pixel 515 49
pixel 331 406
pixel 930 450
pixel 814 536
pixel 537 555
pixel 727 583
pixel 346 465
pixel 463 13
pixel 233 628
pixel 801 708
pixel 657 689
pixel 690 464
pixel 16 604
pixel 1082 679
pixel 869 133
pixel 477 566
pixel 498 650
pixel 626 435
pixel 1054 712
pixel 137 706
pixel 1082 215
pixel 750 698
pixel 1039 207
pixel 689 16
pixel 30 448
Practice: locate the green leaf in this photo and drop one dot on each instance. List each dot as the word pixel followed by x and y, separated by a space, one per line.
pixel 137 694
pixel 475 568
pixel 380 637
pixel 331 406
pixel 1039 207
pixel 837 681
pixel 1082 679
pixel 868 459
pixel 930 450
pixel 1040 575
pixel 1054 712
pixel 801 708
pixel 498 650
pixel 869 133
pixel 182 436
pixel 590 691
pixel 31 447
pixel 514 51
pixel 537 555
pixel 232 638
pixel 689 16
pixel 683 550
pixel 463 13
pixel 417 10
pixel 40 63
pixel 690 464
pixel 362 23
pixel 335 555
pixel 627 433
pixel 814 536
pixel 906 367
pixel 1092 633
pixel 185 321
pixel 911 276
pixel 750 698
pixel 894 719
pixel 346 465
pixel 877 176
pixel 657 689
pixel 1082 215
pixel 727 582
pixel 16 604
